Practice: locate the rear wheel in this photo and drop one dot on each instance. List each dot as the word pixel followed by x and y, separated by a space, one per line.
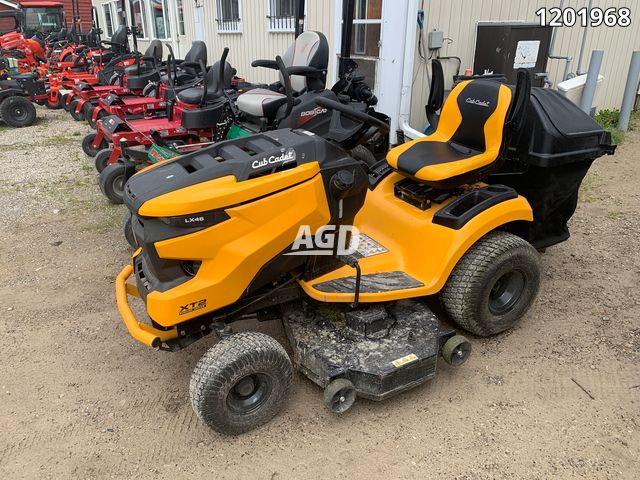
pixel 17 112
pixel 112 181
pixel 87 145
pixel 241 382
pixel 77 116
pixel 364 155
pixel 493 285
pixel 102 157
pixel 66 105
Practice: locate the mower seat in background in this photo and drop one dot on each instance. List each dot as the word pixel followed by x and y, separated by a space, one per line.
pixel 193 95
pixel 310 49
pixel 154 50
pixel 469 137
pixel 197 53
pixel 261 102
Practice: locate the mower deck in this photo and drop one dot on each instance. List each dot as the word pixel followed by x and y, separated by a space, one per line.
pixel 382 350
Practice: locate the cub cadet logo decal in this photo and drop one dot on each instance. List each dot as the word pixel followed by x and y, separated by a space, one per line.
pixel 480 103
pixel 285 157
pixel 192 307
pixel 312 113
pixel 404 360
pixel 343 240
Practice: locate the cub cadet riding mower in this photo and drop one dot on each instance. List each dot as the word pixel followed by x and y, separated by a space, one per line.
pixel 223 234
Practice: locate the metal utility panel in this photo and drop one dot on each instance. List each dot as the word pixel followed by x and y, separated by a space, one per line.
pixel 506 47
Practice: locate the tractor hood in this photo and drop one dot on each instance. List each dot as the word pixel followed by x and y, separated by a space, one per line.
pixel 229 173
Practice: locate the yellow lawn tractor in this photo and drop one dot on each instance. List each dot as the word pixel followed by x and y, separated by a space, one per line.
pixel 286 225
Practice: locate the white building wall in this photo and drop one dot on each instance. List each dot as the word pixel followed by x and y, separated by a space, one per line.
pixel 458 20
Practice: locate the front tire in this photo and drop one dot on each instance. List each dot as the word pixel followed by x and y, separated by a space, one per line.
pixel 101 159
pixel 77 116
pixel 493 285
pixel 241 382
pixel 17 112
pixel 87 145
pixel 127 227
pixel 112 181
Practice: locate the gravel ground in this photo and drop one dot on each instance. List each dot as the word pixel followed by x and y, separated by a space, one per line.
pixel 79 398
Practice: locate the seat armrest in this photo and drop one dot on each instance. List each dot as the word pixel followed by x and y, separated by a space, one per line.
pixel 265 63
pixel 306 71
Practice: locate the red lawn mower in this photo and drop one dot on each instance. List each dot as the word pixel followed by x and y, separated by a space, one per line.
pixel 194 116
pixel 155 95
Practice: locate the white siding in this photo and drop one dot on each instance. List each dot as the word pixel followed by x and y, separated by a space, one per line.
pixel 458 20
pixel 256 42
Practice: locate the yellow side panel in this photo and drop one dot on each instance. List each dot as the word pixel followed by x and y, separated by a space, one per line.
pixel 223 192
pixel 424 250
pixel 233 251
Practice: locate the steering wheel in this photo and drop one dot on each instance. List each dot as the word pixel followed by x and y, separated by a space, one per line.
pixel 353 114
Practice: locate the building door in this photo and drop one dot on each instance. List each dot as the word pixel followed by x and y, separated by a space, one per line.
pixel 365 42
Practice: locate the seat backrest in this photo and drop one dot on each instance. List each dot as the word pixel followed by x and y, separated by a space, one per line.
pixel 474 115
pixel 154 50
pixel 213 77
pixel 197 52
pixel 120 37
pixel 310 49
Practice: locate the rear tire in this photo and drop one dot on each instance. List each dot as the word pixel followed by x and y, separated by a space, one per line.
pixel 112 181
pixel 241 382
pixel 17 112
pixel 89 149
pixel 102 157
pixel 87 112
pixel 364 155
pixel 493 285
pixel 77 116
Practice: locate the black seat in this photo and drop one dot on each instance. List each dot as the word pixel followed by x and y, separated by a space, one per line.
pixel 196 54
pixel 193 95
pixel 154 50
pixel 119 41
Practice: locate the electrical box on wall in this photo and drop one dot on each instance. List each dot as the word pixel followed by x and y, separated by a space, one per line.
pixel 505 47
pixel 435 40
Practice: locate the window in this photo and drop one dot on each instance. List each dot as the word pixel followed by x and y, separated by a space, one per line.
pixel 281 15
pixel 110 19
pixel 46 19
pixel 160 19
pixel 139 14
pixel 228 16
pixel 367 20
pixel 180 17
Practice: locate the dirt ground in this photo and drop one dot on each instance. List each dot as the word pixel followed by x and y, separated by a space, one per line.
pixel 79 398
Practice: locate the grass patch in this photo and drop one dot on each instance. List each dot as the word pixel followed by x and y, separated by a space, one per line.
pixel 609 119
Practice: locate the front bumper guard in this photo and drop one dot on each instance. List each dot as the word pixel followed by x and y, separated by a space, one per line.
pixel 142 332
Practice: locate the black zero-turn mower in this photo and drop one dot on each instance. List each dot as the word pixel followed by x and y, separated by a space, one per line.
pixel 219 235
pixel 17 91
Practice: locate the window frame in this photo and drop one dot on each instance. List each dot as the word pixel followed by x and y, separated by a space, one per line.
pixel 292 28
pixel 113 15
pixel 165 16
pixel 218 20
pixel 182 31
pixel 144 12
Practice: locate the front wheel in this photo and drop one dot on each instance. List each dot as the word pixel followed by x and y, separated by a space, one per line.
pixel 17 112
pixel 493 285
pixel 101 159
pixel 112 181
pixel 77 116
pixel 241 382
pixel 127 227
pixel 87 145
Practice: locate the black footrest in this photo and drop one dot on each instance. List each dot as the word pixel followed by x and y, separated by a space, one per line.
pixel 464 208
